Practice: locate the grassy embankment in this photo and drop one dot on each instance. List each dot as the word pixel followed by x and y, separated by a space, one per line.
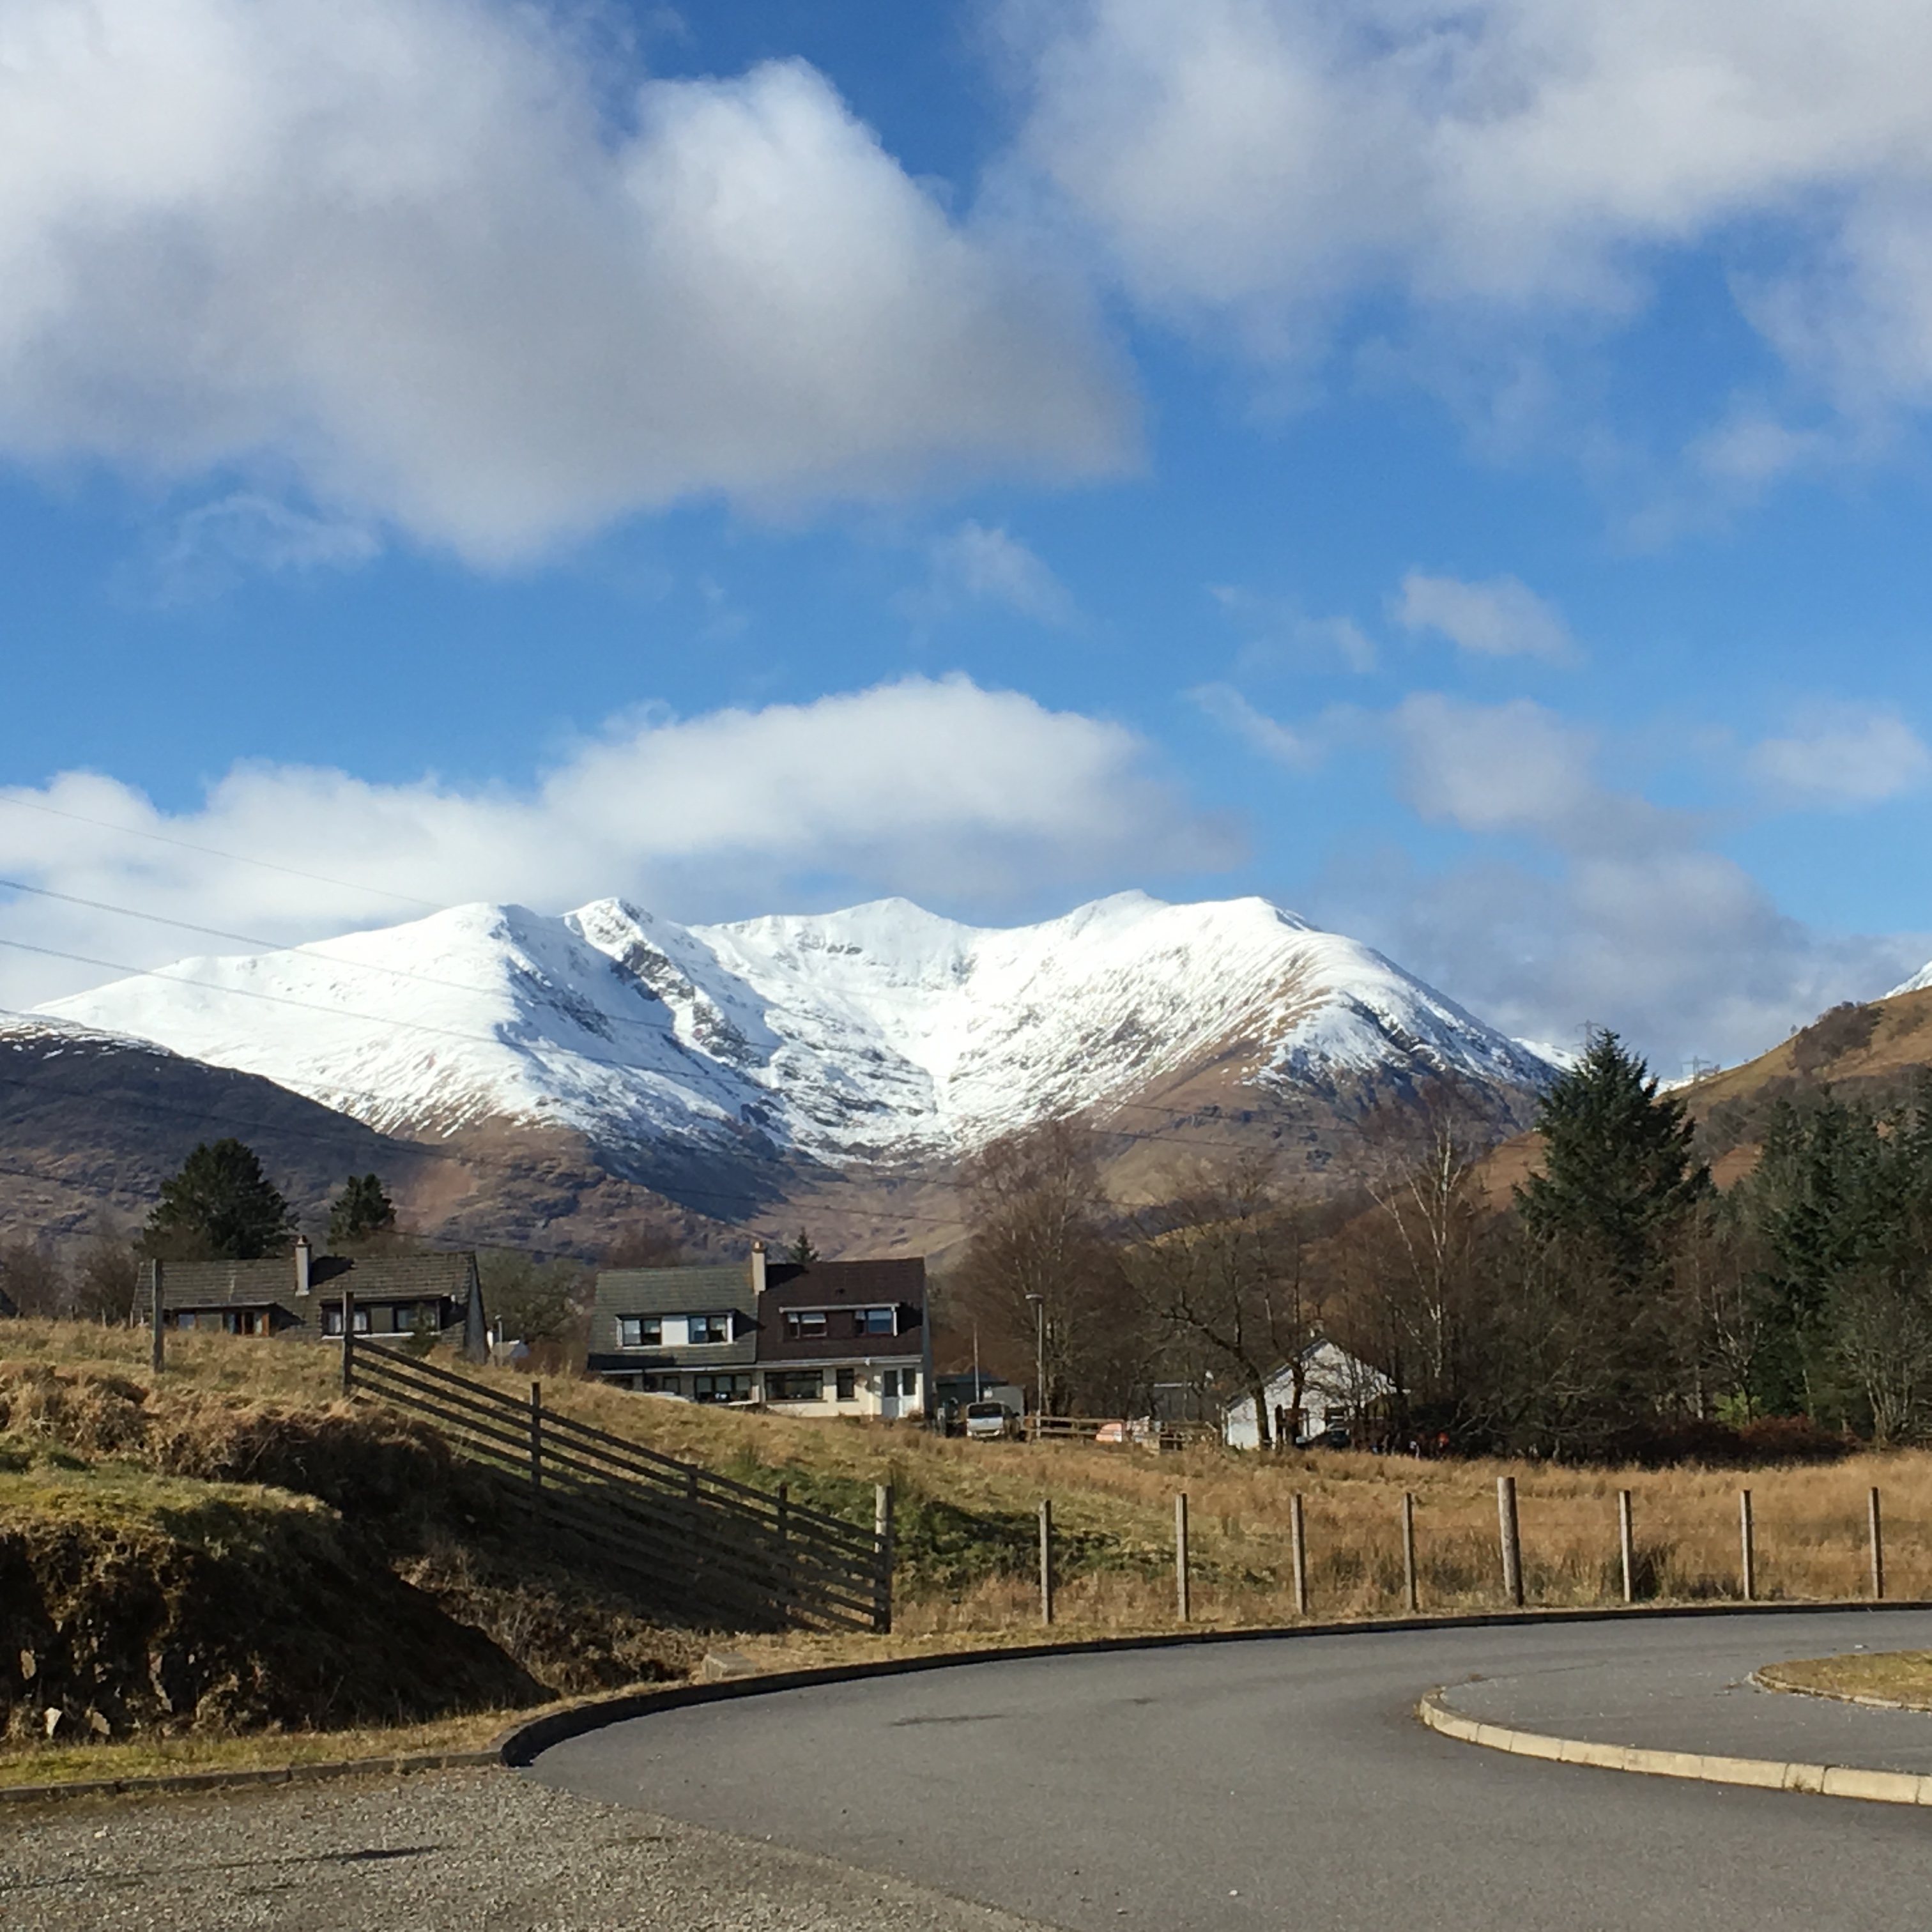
pixel 966 1511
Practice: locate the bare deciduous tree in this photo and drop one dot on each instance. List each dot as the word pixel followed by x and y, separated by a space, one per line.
pixel 1041 1266
pixel 1222 1267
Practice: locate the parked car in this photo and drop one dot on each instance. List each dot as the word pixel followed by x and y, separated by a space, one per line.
pixel 989 1421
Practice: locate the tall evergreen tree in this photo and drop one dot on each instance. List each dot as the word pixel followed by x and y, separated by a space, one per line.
pixel 220 1207
pixel 1619 1169
pixel 361 1211
pixel 802 1251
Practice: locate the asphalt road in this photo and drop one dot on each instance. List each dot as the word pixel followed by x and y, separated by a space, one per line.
pixel 1286 1783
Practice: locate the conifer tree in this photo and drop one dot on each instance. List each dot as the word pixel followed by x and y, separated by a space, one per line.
pixel 1618 1169
pixel 802 1251
pixel 361 1211
pixel 220 1207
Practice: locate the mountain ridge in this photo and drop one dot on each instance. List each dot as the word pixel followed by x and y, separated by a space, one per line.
pixel 881 1036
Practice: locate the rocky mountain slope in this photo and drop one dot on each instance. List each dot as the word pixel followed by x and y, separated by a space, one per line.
pixel 881 1037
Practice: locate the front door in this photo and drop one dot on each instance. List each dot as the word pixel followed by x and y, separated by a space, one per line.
pixel 889 1394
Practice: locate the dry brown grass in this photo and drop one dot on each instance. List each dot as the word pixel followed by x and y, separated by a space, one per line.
pixel 1810 1520
pixel 167 1757
pixel 1902 1677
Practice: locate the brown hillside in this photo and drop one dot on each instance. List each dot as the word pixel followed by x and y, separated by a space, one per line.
pixel 1851 1048
pixel 1873 1052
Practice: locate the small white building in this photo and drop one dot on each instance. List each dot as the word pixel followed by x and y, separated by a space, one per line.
pixel 1337 1390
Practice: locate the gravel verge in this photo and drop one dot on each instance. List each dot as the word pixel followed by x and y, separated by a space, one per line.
pixel 467 1851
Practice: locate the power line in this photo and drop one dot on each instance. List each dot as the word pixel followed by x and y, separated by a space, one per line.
pixel 338 1011
pixel 211 852
pixel 262 946
pixel 685 1195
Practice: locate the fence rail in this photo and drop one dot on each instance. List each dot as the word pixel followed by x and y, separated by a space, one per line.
pixel 698 1542
pixel 1166 1436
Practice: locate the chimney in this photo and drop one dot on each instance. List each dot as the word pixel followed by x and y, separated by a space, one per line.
pixel 757 1268
pixel 301 1264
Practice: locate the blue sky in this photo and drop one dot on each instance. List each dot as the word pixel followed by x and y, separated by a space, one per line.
pixel 1460 473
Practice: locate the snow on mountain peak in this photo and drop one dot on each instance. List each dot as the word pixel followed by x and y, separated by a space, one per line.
pixel 880 1031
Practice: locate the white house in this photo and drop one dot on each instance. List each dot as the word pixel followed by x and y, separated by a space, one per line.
pixel 1338 1390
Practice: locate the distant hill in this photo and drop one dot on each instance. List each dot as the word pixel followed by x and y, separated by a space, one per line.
pixel 1875 1052
pixel 92 1123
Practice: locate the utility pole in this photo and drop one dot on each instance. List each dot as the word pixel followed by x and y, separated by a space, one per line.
pixel 1039 1360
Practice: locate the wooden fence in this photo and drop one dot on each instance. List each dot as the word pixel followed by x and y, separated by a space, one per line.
pixel 1113 1429
pixel 697 1543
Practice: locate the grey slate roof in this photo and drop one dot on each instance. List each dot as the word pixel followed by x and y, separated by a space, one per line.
pixel 272 1283
pixel 718 1289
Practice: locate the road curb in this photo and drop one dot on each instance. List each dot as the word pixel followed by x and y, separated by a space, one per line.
pixel 524 1742
pixel 1827 1780
pixel 1765 1678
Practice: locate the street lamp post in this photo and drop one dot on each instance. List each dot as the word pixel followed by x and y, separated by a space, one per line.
pixel 1039 1360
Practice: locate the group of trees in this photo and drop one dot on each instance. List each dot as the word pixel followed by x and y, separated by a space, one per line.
pixel 1612 1302
pixel 219 1206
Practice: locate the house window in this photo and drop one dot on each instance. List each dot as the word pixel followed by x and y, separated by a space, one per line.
pixel 804 1325
pixel 896 1382
pixel 185 1319
pixel 794 1385
pixel 708 1328
pixel 331 1322
pixel 848 1387
pixel 874 1321
pixel 639 1331
pixel 720 1388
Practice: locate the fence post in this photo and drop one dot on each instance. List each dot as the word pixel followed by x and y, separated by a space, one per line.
pixel 882 1555
pixel 1297 1542
pixel 1877 1549
pixel 1747 1550
pixel 348 1342
pixel 1045 1561
pixel 1626 1545
pixel 1408 1581
pixel 1180 1591
pixel 158 1345
pixel 536 1441
pixel 1512 1540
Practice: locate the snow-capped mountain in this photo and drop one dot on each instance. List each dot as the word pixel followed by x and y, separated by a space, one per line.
pixel 879 1033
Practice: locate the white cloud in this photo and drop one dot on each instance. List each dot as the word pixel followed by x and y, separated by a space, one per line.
pixel 1500 618
pixel 1301 752
pixel 1514 767
pixel 1842 755
pixel 1282 631
pixel 977 564
pixel 1618 914
pixel 397 251
pixel 1264 164
pixel 938 789
pixel 215 543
